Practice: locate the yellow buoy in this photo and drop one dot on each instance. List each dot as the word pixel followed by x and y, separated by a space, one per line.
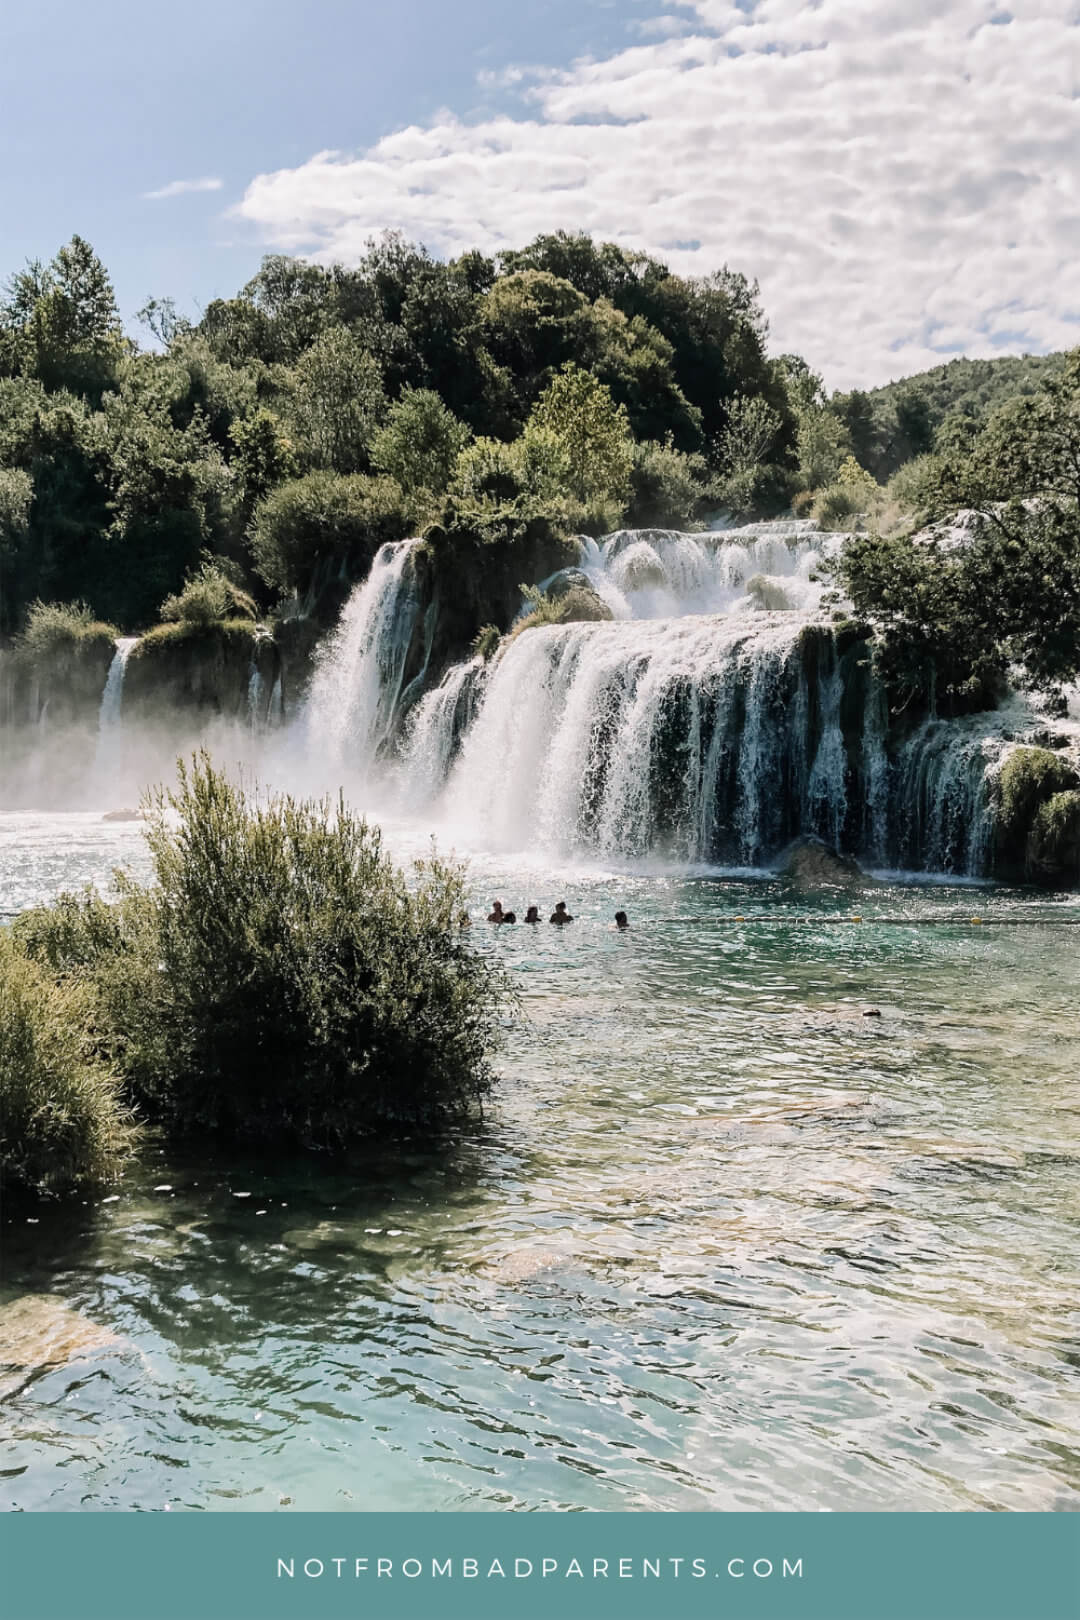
pixel 856 919
pixel 976 919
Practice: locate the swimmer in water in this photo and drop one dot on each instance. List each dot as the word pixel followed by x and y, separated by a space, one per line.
pixel 560 914
pixel 533 914
pixel 496 912
pixel 622 921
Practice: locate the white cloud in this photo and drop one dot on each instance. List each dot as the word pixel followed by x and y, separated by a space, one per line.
pixel 901 175
pixel 179 188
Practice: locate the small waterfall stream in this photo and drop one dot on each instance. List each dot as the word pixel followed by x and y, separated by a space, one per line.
pixel 109 753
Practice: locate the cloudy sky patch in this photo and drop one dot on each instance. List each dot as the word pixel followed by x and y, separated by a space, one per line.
pixel 179 188
pixel 900 175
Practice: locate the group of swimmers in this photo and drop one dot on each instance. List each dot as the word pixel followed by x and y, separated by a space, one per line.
pixel 559 915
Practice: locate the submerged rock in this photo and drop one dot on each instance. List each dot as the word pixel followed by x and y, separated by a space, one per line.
pixel 38 1331
pixel 810 863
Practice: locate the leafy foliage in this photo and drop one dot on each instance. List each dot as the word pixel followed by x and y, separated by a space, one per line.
pixel 280 978
pixel 325 517
pixel 609 384
pixel 62 1122
pixel 954 608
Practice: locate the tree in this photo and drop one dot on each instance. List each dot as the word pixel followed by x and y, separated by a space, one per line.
pixel 954 609
pixel 335 403
pixel 822 443
pixel 420 442
pixel 62 322
pixel 593 431
pixel 752 426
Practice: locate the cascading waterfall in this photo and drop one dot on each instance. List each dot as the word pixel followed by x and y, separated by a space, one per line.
pixel 110 744
pixel 684 737
pixel 712 719
pixel 661 573
pixel 434 729
pixel 353 699
pixel 255 697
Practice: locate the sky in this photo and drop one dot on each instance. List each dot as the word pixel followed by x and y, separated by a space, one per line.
pixel 901 176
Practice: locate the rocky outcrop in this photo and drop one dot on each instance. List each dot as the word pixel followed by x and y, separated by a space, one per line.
pixel 810 863
pixel 1035 799
pixel 197 669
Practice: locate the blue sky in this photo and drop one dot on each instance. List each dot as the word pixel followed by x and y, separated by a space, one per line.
pixel 106 102
pixel 901 175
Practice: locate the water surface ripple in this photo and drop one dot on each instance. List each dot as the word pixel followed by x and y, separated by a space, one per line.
pixel 722 1241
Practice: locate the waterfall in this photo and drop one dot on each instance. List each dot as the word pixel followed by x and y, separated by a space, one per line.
pixel 255 697
pixel 680 736
pixel 712 719
pixel 352 703
pixel 661 573
pixel 434 729
pixel 109 745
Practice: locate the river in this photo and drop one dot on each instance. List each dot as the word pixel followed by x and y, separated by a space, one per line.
pixel 722 1240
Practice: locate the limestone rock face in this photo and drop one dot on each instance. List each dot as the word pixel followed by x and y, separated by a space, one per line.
pixel 809 863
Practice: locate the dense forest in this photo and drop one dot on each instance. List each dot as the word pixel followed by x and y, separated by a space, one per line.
pixel 223 470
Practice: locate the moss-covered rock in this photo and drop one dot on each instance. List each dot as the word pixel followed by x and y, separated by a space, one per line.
pixel 1053 845
pixel 469 575
pixel 203 668
pixel 1033 801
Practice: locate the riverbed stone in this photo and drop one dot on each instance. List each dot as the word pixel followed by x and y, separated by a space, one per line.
pixel 811 863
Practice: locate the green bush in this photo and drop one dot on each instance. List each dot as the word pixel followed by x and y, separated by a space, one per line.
pixel 57 631
pixel 1054 841
pixel 325 517
pixel 209 596
pixel 486 642
pixel 281 978
pixel 666 488
pixel 62 1124
pixel 1027 779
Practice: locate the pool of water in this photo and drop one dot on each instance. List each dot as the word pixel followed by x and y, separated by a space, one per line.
pixel 721 1242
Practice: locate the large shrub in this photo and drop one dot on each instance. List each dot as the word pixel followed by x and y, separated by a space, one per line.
pixel 281 977
pixel 56 632
pixel 209 596
pixel 62 1123
pixel 322 518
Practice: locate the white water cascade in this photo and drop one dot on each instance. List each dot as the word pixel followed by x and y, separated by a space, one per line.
pixel 110 739
pixel 354 693
pixel 713 718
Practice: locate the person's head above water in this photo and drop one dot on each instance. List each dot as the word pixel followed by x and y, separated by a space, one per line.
pixel 621 920
pixel 533 914
pixel 560 914
pixel 496 911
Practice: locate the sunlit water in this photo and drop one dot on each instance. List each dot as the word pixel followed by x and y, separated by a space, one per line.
pixel 721 1242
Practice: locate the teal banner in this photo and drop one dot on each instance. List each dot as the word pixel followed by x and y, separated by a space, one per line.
pixel 540 1567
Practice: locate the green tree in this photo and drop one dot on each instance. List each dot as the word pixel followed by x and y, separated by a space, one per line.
pixel 419 443
pixel 954 609
pixel 822 445
pixel 594 432
pixel 325 518
pixel 62 323
pixel 335 402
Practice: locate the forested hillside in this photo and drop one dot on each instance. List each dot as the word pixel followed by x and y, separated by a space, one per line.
pixel 228 469
pixel 322 411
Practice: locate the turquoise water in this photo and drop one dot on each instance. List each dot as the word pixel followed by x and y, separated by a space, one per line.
pixel 721 1242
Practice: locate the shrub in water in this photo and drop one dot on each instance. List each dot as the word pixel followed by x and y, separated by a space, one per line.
pixel 282 978
pixel 62 1124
